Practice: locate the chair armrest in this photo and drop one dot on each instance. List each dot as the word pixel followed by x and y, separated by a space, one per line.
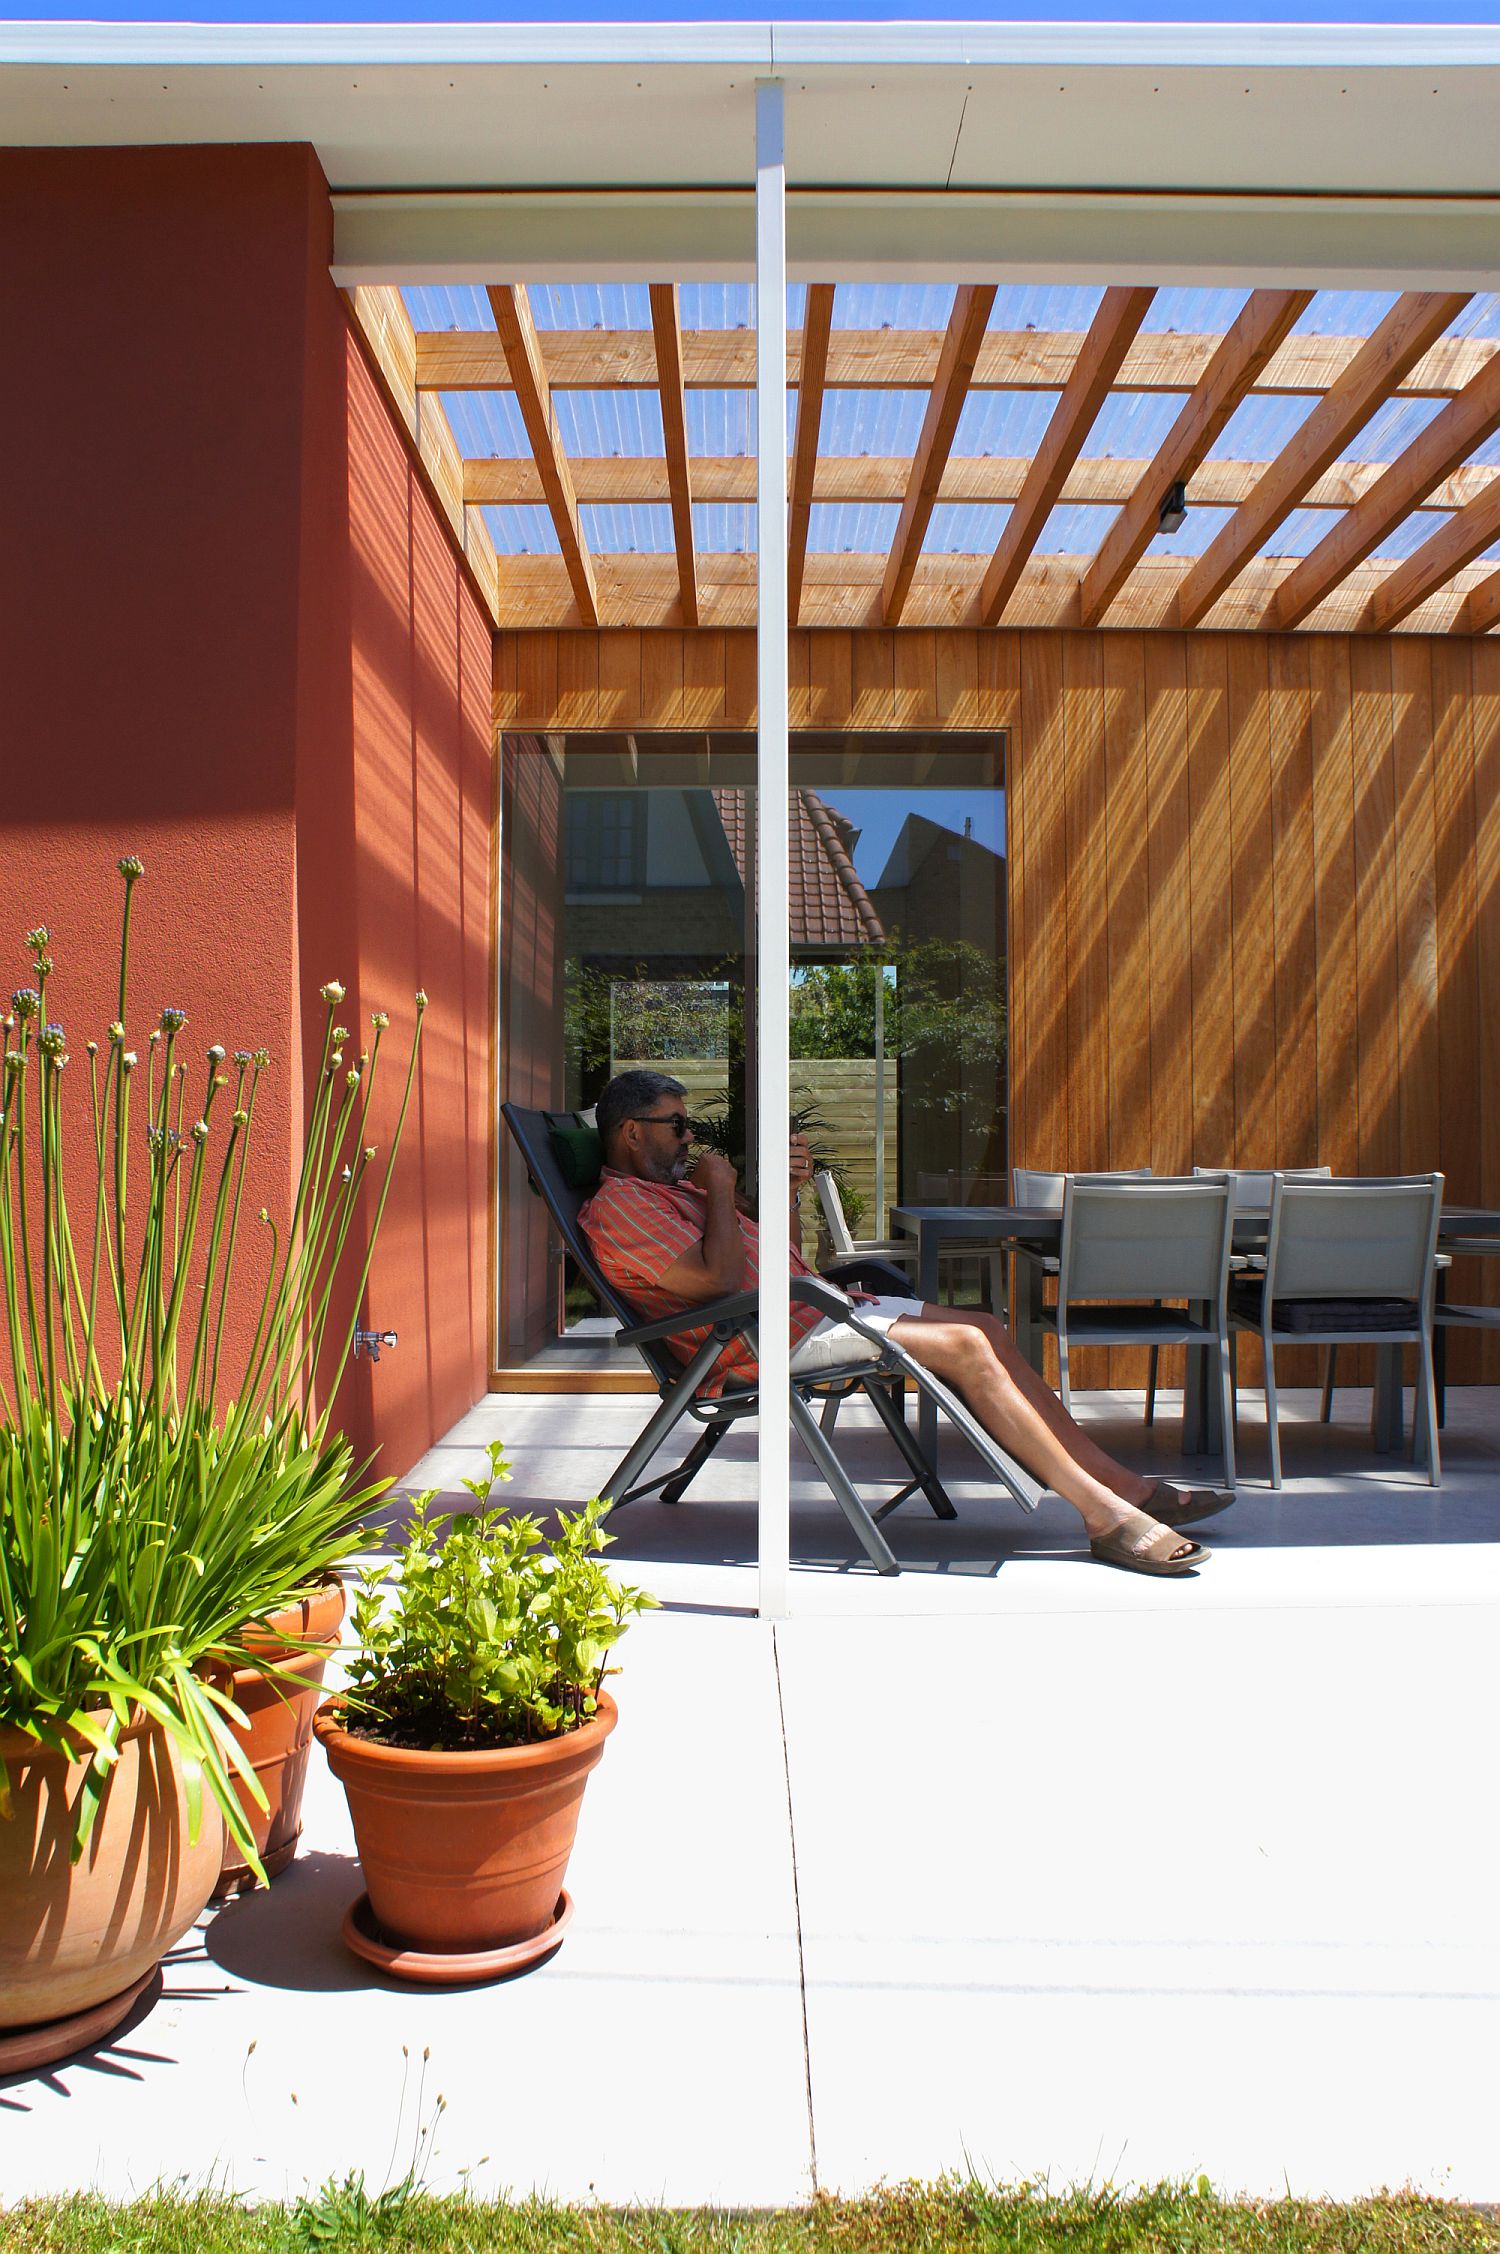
pixel 721 1315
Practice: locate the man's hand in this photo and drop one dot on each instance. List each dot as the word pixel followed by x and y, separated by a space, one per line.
pixel 800 1162
pixel 712 1171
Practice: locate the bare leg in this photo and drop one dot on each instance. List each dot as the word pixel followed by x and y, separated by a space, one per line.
pixel 976 1356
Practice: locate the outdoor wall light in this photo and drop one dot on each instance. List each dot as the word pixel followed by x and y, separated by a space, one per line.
pixel 1172 515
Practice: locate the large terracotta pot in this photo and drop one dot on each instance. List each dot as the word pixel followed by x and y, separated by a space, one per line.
pixel 464 1852
pixel 75 1935
pixel 277 1734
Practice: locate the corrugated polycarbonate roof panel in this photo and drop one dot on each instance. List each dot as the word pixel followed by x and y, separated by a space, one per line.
pixel 1036 306
pixel 1008 424
pixel 965 528
pixel 610 422
pixel 871 422
pixel 720 422
pixel 724 528
pixel 1391 430
pixel 1410 534
pixel 522 531
pixel 847 528
pixel 1194 312
pixel 1345 313
pixel 1131 425
pixel 1074 531
pixel 1201 529
pixel 590 305
pixel 486 423
pixel 1479 318
pixel 433 305
pixel 617 528
pixel 893 305
pixel 1260 427
pixel 1302 532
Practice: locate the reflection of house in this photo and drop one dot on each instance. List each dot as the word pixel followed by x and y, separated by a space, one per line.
pixel 627 850
pixel 938 885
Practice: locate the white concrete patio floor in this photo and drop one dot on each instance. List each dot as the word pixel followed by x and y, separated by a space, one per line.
pixel 1013 1864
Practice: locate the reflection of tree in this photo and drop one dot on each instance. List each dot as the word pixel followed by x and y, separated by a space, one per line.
pixel 633 1014
pixel 945 1003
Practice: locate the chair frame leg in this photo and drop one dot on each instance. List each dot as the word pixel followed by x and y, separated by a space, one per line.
pixel 874 1544
pixel 922 1472
pixel 673 1489
pixel 1151 1370
pixel 1273 1428
pixel 1329 1367
pixel 1425 1412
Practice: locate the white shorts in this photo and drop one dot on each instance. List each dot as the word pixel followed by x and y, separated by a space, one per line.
pixel 833 1345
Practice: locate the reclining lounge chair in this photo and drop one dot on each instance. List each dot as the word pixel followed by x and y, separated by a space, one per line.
pixel 549 1138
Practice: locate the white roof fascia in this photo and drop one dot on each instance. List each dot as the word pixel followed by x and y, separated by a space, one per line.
pixel 766 45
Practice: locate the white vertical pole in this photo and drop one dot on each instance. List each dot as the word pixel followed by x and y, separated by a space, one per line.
pixel 772 1095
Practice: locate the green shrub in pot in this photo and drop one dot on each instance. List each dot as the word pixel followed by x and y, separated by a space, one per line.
pixel 157 1496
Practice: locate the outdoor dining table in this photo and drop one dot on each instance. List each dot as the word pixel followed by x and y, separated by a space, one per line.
pixel 1037 1230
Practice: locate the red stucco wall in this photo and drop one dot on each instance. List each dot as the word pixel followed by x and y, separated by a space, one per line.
pixel 233 639
pixel 419 888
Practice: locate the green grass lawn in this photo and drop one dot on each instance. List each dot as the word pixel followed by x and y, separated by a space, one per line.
pixel 953 2218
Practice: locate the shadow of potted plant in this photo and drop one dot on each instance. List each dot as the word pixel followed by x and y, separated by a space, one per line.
pixel 163 1492
pixel 474 1712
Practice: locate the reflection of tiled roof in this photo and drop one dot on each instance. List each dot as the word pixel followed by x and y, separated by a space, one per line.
pixel 830 907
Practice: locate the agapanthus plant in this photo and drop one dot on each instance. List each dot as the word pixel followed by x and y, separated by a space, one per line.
pixel 163 1484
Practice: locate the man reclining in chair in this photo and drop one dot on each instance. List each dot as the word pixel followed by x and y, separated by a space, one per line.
pixel 668 1237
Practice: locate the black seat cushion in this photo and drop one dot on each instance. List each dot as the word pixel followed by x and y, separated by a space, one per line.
pixel 1246 1294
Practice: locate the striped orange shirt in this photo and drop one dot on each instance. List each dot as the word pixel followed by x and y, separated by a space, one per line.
pixel 641 1229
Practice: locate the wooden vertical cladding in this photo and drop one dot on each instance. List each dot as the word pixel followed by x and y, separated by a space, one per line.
pixel 1254 879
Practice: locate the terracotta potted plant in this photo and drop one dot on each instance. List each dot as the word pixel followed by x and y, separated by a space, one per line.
pixel 278 1691
pixel 474 1713
pixel 160 1492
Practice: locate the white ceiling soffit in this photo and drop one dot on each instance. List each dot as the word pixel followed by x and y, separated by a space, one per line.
pixel 1168 152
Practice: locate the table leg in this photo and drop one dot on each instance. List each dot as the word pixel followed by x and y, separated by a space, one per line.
pixel 1026 1307
pixel 1202 1417
pixel 1387 1416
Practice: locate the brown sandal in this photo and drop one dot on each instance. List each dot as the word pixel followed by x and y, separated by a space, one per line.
pixel 1184 1506
pixel 1143 1545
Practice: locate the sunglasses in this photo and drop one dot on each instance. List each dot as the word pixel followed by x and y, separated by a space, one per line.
pixel 678 1121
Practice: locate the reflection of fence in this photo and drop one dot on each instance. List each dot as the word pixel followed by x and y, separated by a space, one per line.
pixel 843 1089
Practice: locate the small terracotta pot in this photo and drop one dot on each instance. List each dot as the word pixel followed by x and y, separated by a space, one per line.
pixel 278 1727
pixel 464 1851
pixel 73 1935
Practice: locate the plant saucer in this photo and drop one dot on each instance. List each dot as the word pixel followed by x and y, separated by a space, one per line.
pixel 45 2041
pixel 444 1968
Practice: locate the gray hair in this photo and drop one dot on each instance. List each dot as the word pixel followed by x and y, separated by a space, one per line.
pixel 628 1093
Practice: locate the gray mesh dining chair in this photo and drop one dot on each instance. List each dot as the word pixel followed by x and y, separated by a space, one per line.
pixel 1138 1245
pixel 1038 1186
pixel 902 1251
pixel 1349 1261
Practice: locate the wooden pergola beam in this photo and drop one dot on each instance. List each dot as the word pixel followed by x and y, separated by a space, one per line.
pixel 817 328
pixel 1460 540
pixel 512 310
pixel 972 306
pixel 1096 479
pixel 1480 610
pixel 1413 325
pixel 1257 334
pixel 1111 334
pixel 1433 457
pixel 667 330
pixel 875 359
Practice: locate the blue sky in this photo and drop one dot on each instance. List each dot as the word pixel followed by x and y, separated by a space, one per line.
pixel 1420 12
